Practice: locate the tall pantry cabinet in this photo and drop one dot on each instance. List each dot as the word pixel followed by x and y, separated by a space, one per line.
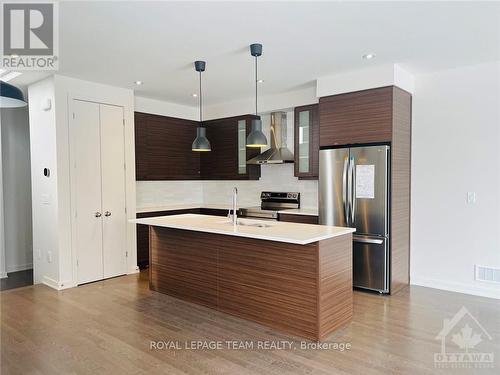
pixel 97 144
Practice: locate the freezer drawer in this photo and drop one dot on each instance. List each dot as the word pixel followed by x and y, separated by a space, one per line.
pixel 370 263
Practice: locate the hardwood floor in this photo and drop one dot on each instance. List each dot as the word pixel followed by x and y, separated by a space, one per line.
pixel 107 328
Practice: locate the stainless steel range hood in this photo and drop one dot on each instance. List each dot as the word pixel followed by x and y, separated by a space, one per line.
pixel 278 153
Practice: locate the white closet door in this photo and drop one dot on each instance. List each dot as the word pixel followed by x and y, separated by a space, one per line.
pixel 86 169
pixel 113 190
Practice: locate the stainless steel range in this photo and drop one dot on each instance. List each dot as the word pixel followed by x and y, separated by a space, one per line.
pixel 270 204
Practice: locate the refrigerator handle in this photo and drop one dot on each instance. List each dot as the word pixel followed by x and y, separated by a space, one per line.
pixel 345 192
pixel 352 196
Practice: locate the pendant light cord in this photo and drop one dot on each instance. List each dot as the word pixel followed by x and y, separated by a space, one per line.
pixel 256 85
pixel 200 103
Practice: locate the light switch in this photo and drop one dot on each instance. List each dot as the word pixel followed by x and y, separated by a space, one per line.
pixel 49 256
pixel 471 197
pixel 45 199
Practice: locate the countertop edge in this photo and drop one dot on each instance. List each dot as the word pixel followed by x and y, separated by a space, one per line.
pixel 345 231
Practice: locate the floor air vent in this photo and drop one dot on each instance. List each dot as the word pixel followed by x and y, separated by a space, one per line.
pixel 488 274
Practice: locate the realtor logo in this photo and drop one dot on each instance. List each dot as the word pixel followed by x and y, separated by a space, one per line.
pixel 466 333
pixel 29 36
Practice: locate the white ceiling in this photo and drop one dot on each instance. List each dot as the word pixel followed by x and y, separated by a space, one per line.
pixel 156 42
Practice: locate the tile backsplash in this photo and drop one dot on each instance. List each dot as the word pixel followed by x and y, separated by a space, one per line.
pixel 274 178
pixel 164 193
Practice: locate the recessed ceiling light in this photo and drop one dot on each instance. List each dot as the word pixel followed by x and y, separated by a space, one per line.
pixel 194 95
pixel 260 81
pixel 369 56
pixel 138 83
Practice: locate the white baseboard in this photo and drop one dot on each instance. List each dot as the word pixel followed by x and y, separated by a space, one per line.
pixel 19 267
pixel 50 282
pixel 476 290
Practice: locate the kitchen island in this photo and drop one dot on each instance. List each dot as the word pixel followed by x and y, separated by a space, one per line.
pixel 295 278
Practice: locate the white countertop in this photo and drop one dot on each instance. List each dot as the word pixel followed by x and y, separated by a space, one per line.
pixel 301 234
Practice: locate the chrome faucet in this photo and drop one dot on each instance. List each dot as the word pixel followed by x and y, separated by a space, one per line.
pixel 234 215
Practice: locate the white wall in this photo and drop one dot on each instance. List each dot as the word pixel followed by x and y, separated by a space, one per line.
pixel 55 262
pixel 3 268
pixel 16 189
pixel 44 190
pixel 162 108
pixel 364 79
pixel 266 103
pixel 456 149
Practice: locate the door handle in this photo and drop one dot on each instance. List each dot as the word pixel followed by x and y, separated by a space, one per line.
pixel 97 214
pixel 353 190
pixel 344 191
pixel 107 214
pixel 367 240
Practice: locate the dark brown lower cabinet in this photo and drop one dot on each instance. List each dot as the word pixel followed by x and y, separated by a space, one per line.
pixel 305 219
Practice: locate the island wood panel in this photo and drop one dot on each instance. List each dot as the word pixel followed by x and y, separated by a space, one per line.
pixel 143 233
pixel 270 283
pixel 335 297
pixel 183 265
pixel 356 118
pixel 163 148
pixel 400 198
pixel 273 283
pixel 305 219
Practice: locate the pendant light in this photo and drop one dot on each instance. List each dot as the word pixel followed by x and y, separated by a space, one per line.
pixel 201 143
pixel 256 138
pixel 11 96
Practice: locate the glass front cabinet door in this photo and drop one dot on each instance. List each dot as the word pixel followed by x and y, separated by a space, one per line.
pixel 306 150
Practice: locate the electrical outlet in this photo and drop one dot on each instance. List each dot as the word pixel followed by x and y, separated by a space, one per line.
pixel 471 197
pixel 49 256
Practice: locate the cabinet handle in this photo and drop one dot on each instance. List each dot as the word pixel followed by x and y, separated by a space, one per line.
pixel 107 213
pixel 97 214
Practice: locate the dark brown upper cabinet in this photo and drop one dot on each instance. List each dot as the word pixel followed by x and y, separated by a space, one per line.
pixel 306 138
pixel 227 160
pixel 357 117
pixel 163 148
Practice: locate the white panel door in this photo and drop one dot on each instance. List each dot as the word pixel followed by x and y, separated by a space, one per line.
pixel 113 190
pixel 86 170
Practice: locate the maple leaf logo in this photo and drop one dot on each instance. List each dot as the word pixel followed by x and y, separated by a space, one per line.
pixel 465 339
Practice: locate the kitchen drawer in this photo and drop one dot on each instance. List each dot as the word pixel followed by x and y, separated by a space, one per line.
pixel 304 219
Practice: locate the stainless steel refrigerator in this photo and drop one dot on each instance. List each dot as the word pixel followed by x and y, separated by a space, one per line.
pixel 354 191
